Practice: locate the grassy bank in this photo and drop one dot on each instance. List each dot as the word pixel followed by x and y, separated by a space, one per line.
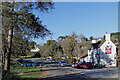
pixel 20 73
pixel 26 72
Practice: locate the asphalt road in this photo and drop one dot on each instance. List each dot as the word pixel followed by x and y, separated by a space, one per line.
pixel 53 71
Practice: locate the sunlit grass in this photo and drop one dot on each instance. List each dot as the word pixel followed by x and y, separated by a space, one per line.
pixel 26 72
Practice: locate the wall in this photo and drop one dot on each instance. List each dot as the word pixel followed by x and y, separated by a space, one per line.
pixel 108 59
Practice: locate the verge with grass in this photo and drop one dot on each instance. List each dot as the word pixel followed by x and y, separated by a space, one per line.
pixel 17 72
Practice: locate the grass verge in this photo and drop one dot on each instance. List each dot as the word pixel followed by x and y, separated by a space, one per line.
pixel 26 72
pixel 20 73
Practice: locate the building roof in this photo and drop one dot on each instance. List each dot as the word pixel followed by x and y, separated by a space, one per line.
pixel 96 45
pixel 102 43
pixel 83 55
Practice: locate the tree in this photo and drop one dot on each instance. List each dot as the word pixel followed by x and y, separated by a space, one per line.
pixel 75 43
pixel 21 46
pixel 32 44
pixel 91 38
pixel 59 50
pixel 68 45
pixel 18 18
pixel 61 38
pixel 51 45
pixel 43 51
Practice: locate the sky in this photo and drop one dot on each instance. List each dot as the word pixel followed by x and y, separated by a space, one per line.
pixel 87 18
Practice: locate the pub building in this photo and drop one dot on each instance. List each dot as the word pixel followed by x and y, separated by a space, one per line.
pixel 103 53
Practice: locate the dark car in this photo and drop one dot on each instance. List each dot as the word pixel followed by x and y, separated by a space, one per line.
pixel 53 60
pixel 48 59
pixel 63 63
pixel 21 60
pixel 59 61
pixel 84 65
pixel 28 63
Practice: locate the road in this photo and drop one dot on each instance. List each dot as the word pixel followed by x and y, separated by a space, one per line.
pixel 53 71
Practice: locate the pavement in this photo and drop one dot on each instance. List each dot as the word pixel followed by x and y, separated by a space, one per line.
pixel 53 71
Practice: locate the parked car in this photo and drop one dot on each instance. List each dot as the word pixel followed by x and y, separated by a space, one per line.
pixel 21 60
pixel 99 66
pixel 73 65
pixel 59 61
pixel 28 63
pixel 53 60
pixel 84 65
pixel 48 59
pixel 63 63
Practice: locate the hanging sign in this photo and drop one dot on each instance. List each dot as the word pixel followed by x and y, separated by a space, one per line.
pixel 108 49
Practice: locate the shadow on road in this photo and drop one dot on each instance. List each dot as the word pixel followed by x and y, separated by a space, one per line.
pixel 76 76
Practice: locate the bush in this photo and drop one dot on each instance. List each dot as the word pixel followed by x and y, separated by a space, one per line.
pixel 37 55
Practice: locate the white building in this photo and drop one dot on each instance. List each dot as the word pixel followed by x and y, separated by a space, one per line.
pixel 35 50
pixel 103 53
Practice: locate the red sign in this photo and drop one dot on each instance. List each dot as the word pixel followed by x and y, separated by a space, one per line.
pixel 108 50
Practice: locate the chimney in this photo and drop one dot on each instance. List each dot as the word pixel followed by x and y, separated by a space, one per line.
pixel 107 37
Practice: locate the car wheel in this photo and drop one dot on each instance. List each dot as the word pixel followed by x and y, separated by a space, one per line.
pixel 25 65
pixel 33 65
pixel 85 67
pixel 20 66
pixel 78 67
pixel 90 67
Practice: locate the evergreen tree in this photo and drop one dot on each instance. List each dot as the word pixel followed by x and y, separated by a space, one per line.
pixel 18 18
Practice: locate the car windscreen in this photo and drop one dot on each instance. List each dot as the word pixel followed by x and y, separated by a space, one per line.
pixel 25 61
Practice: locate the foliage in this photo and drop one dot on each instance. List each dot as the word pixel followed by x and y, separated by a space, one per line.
pixel 17 18
pixel 24 23
pixel 115 37
pixel 37 55
pixel 117 33
pixel 20 45
pixel 51 45
pixel 23 20
pixel 91 38
pixel 61 38
pixel 67 46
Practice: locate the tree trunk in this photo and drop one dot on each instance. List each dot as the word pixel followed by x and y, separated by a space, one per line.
pixel 2 59
pixel 10 35
pixel 4 56
pixel 7 56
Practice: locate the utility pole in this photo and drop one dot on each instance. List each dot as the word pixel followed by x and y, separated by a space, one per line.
pixel 10 35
